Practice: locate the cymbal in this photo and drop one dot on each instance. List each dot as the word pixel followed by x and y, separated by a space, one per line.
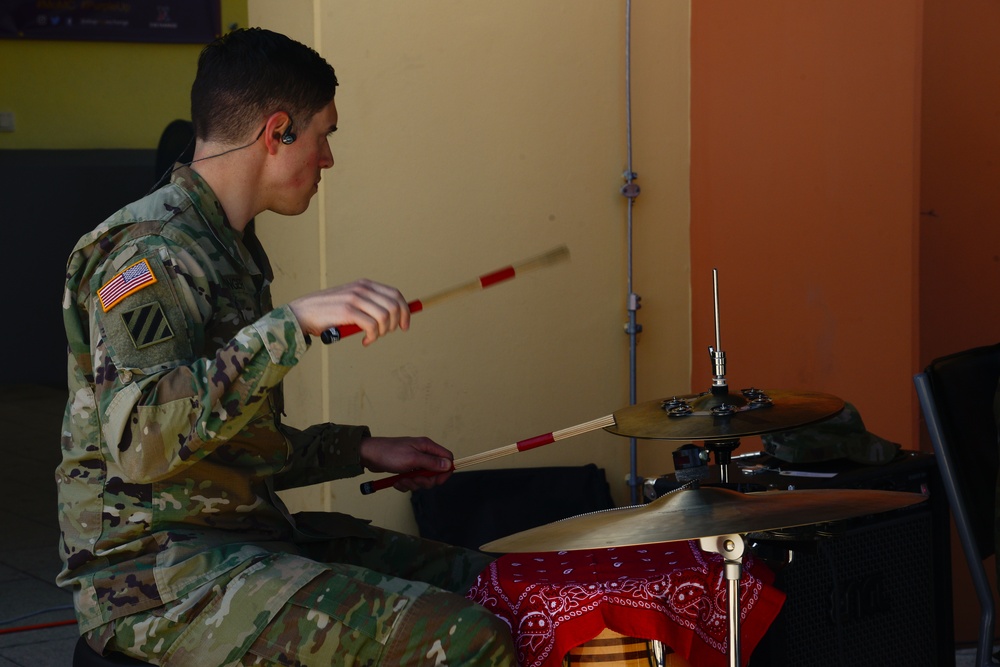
pixel 709 417
pixel 689 514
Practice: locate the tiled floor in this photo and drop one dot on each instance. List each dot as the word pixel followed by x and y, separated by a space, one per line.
pixel 29 560
pixel 30 420
pixel 967 657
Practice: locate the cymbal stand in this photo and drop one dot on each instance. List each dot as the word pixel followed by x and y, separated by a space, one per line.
pixel 719 383
pixel 723 450
pixel 720 388
pixel 731 548
pixel 657 653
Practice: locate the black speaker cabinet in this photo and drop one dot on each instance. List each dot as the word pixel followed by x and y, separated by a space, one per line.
pixel 868 591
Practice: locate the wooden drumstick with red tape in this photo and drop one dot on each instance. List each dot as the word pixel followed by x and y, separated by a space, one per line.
pixel 475 459
pixel 482 282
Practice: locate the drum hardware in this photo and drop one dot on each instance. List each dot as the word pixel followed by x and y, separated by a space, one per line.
pixel 717 517
pixel 755 399
pixel 719 383
pixel 690 462
pixel 658 653
pixel 719 429
pixel 720 418
pixel 787 409
pixel 731 547
pixel 716 417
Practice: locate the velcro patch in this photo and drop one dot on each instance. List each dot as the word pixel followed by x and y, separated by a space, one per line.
pixel 147 325
pixel 125 283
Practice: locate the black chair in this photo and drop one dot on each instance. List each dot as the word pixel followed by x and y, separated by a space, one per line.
pixel 957 394
pixel 84 656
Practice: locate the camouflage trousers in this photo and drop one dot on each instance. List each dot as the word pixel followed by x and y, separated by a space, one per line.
pixel 386 599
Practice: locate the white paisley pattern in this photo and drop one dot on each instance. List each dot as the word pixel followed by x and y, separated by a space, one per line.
pixel 673 592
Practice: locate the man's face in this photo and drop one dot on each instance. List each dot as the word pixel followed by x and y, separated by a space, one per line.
pixel 302 162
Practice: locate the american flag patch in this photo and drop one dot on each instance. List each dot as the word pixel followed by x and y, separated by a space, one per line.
pixel 129 281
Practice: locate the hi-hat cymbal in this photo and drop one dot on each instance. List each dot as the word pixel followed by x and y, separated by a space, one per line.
pixel 710 417
pixel 690 514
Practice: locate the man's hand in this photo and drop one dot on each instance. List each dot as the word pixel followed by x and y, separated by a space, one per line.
pixel 408 454
pixel 376 308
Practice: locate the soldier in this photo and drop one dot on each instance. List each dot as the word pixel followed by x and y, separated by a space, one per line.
pixel 174 543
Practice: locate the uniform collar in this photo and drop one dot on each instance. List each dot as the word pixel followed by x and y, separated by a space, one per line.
pixel 211 211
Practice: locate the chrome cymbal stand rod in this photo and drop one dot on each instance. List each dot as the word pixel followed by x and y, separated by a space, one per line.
pixel 657 653
pixel 720 386
pixel 731 548
pixel 719 383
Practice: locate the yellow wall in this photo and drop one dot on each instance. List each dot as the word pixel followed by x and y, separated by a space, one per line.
pixel 70 95
pixel 473 135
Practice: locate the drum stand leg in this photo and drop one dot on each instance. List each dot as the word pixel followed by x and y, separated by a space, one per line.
pixel 731 548
pixel 657 654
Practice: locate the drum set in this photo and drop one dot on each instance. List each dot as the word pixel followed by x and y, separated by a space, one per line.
pixel 717 517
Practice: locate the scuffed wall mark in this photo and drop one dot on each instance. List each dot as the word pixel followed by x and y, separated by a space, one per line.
pixel 363 401
pixel 406 378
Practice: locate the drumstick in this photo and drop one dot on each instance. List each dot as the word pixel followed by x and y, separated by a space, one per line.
pixel 553 256
pixel 482 457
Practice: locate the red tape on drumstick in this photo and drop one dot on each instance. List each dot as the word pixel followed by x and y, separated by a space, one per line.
pixel 497 277
pixel 519 446
pixel 559 254
pixel 537 441
pixel 333 334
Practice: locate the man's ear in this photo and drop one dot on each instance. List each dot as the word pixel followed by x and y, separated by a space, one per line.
pixel 275 127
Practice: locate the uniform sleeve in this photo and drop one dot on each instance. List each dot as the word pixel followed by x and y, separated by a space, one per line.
pixel 163 406
pixel 322 453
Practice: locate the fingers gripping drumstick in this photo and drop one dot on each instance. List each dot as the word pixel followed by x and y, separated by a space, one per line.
pixel 475 459
pixel 553 256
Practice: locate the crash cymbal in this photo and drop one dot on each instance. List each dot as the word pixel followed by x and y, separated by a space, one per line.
pixel 710 417
pixel 689 514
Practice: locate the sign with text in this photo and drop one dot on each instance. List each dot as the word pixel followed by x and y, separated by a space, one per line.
pixel 171 21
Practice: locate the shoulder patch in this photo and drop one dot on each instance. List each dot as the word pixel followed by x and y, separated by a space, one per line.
pixel 127 282
pixel 147 325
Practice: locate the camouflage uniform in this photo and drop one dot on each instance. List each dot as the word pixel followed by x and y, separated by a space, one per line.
pixel 173 540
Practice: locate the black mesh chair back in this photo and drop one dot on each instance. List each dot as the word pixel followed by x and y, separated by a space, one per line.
pixel 957 395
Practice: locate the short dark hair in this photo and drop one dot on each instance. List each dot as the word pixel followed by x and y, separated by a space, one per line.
pixel 248 74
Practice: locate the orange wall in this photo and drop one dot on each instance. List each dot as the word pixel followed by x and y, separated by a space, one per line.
pixel 804 174
pixel 960 189
pixel 960 198
pixel 820 132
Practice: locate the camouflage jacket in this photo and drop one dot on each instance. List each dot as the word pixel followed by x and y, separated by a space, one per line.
pixel 172 440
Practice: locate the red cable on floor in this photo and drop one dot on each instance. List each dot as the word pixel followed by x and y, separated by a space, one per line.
pixel 40 626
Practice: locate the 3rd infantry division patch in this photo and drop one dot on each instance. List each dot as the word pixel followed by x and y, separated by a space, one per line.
pixel 147 325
